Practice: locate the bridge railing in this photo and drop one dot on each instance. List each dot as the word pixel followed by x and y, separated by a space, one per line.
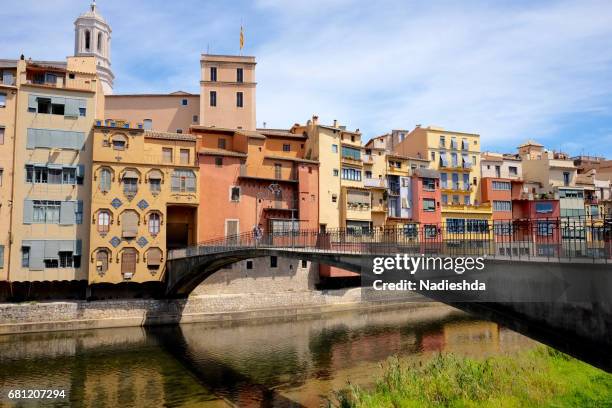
pixel 543 238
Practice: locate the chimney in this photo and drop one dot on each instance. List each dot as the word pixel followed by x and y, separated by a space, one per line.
pixel 335 123
pixel 264 125
pixel 315 120
pixel 309 122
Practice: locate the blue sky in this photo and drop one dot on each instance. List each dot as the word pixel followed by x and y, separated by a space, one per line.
pixel 508 70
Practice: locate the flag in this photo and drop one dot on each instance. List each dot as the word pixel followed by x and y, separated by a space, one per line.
pixel 241 38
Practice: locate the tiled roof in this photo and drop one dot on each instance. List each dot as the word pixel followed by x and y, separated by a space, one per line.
pixel 531 142
pixel 280 133
pixel 400 156
pixel 428 173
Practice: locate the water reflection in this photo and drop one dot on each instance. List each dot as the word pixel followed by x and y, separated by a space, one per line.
pixel 284 363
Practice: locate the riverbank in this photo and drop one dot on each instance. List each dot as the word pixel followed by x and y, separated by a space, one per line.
pixel 533 378
pixel 78 314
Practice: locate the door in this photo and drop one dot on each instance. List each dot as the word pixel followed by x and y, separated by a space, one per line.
pixel 231 231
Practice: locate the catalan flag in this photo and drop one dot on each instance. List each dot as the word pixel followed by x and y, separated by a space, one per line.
pixel 241 38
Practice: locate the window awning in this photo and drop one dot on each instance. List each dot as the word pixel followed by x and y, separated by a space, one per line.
pixel 55 166
pixel 119 138
pixel 130 174
pixel 155 175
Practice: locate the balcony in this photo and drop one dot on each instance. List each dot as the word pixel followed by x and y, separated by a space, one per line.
pixel 375 182
pixel 456 188
pixel 367 159
pixel 394 188
pixel 379 208
pixel 352 160
pixel 268 173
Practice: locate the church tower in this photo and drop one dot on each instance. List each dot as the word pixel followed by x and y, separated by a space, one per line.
pixel 92 38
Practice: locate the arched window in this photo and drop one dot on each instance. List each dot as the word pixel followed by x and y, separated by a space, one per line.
pixel 104 220
pixel 154 259
pixel 105 180
pixel 87 40
pixel 99 45
pixel 130 183
pixel 154 223
pixel 155 179
pixel 102 257
pixel 119 141
pixel 129 256
pixel 129 224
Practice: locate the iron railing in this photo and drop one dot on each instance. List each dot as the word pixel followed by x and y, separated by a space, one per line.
pixel 543 239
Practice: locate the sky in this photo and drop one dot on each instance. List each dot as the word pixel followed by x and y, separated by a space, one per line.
pixel 507 70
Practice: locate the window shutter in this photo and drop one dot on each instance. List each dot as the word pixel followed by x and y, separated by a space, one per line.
pixel 7 78
pixel 129 224
pixel 28 211
pixel 58 100
pixel 51 249
pixel 82 103
pixel 176 181
pixel 155 175
pixel 80 170
pixel 32 101
pixel 79 211
pixel 78 247
pixel 79 140
pixel 154 257
pixel 32 138
pixel 190 182
pixel 1 256
pixel 37 249
pixel 72 107
pixel 68 213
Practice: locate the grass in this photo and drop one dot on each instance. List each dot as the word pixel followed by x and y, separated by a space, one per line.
pixel 540 377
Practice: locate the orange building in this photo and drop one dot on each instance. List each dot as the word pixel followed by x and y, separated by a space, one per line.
pixel 254 177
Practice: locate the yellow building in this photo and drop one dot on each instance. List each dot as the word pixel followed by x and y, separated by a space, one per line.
pixel 375 179
pixel 56 106
pixel 344 200
pixel 456 155
pixel 144 201
pixel 466 227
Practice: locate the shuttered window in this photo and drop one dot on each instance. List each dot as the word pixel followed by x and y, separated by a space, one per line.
pixel 103 222
pixel 129 224
pixel 356 197
pixel 154 257
pixel 1 256
pixel 54 139
pixel 155 179
pixel 128 262
pixel 40 254
pixel 102 261
pixel 130 183
pixel 105 180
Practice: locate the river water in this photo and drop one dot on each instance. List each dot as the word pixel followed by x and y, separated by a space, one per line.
pixel 297 362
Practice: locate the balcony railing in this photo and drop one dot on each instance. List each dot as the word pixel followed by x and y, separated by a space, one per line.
pixel 375 182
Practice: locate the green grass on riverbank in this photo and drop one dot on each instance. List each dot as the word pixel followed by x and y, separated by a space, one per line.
pixel 541 377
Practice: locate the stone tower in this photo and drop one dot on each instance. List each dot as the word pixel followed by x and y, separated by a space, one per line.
pixel 92 37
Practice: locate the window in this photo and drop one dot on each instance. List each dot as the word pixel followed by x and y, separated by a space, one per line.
pixel 1 135
pixel 239 75
pixel 273 262
pixel 87 40
pixel 336 172
pixel 512 170
pixel 51 263
pixel 239 99
pixel 349 173
pixel 102 261
pixel 502 228
pixel 466 200
pixel 477 225
pixel 454 160
pixel 334 198
pixel 99 42
pixel 453 143
pixel 179 131
pixel 65 259
pixel 1 177
pixel 566 178
pixel 184 102
pixel 148 124
pixel 25 257
pixel 444 180
pixel 502 206
pixel 2 100
pixel 433 156
pixel 221 143
pixel 166 155
pixel 497 171
pixel 68 175
pixel 213 98
pixel 278 171
pixel 128 262
pixel 443 159
pixel 429 205
pixel 545 228
pixel 464 144
pixel 304 263
pixel 184 156
pixel 104 218
pixel 218 161
pixel 129 224
pixel 235 194
pixel 501 185
pixel 119 142
pixel 154 258
pixel 442 141
pixel 249 264
pixel 105 180
pixel 213 74
pixel 154 223
pixel 352 153
pixel 195 119
pixel 455 199
pixel 46 212
pixel 286 147
pixel 429 184
pixel 334 148
pixel 183 181
pixel 130 183
pixel 571 194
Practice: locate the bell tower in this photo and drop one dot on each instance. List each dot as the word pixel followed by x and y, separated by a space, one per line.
pixel 92 38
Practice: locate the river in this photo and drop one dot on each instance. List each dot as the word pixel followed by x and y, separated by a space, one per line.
pixel 297 362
